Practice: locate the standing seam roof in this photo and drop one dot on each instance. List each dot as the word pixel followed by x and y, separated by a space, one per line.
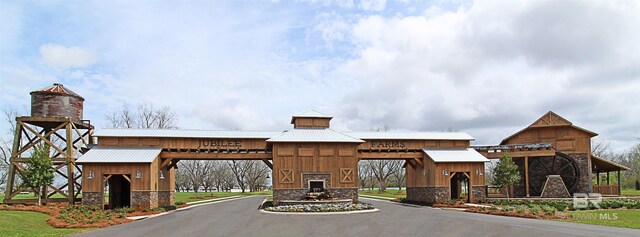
pixel 120 155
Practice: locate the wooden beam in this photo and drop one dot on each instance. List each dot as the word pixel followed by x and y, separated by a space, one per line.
pixel 126 177
pixel 41 138
pixel 173 164
pixel 216 156
pixel 513 154
pixel 526 174
pixel 268 163
pixel 165 163
pixel 419 161
pixel 107 178
pixel 389 155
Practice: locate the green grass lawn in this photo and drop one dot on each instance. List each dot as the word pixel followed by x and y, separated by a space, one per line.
pixel 630 192
pixel 187 196
pixel 388 193
pixel 23 223
pixel 617 218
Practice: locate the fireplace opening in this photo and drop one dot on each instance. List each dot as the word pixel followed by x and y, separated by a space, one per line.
pixel 316 186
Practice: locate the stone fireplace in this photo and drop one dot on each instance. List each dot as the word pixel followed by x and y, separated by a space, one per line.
pixel 316 186
pixel 313 186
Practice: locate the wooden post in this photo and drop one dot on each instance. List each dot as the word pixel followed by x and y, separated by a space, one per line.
pixel 12 168
pixel 619 185
pixel 597 177
pixel 608 178
pixel 70 164
pixel 526 174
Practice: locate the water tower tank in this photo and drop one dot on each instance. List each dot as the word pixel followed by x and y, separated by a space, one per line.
pixel 56 101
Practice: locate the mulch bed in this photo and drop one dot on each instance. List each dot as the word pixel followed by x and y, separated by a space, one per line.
pixel 53 210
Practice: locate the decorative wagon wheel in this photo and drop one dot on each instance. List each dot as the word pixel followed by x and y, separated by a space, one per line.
pixel 561 164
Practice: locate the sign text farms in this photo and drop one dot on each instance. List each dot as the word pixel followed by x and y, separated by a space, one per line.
pixel 388 145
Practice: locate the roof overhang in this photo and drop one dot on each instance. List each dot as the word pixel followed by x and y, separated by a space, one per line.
pixel 120 155
pixel 454 155
pixel 601 165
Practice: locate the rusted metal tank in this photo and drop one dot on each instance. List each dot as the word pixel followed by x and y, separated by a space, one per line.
pixel 56 101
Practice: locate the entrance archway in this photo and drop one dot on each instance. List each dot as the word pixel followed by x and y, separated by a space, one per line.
pixel 460 186
pixel 119 190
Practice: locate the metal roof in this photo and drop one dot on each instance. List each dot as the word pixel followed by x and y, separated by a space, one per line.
pixel 120 155
pixel 180 133
pixel 311 114
pixel 313 135
pixel 57 88
pixel 455 155
pixel 372 135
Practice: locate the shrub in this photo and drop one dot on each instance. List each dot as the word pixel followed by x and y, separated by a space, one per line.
pixel 520 209
pixel 549 210
pixel 535 210
pixel 321 207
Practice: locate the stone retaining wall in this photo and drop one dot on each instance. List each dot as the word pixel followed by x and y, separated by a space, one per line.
pixel 166 198
pixel 428 194
pixel 299 193
pixel 92 199
pixel 478 193
pixel 144 199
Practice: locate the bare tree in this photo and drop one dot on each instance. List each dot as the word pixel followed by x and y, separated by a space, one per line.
pixel 382 170
pixel 256 175
pixel 400 176
pixel 240 169
pixel 146 117
pixel 194 171
pixel 9 116
pixel 122 119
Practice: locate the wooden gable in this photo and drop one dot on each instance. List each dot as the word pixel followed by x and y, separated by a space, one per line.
pixel 550 119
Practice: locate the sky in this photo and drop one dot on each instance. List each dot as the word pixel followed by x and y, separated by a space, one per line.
pixel 488 68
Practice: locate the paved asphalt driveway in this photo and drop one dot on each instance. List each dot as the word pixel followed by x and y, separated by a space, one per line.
pixel 241 218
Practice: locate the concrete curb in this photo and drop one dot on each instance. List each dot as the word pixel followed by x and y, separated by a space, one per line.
pixel 400 203
pixel 314 213
pixel 375 197
pixel 321 213
pixel 211 201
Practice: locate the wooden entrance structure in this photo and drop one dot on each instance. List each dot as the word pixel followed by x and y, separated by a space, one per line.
pixel 310 152
pixel 552 145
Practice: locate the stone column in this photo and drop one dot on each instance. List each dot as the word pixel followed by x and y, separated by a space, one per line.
pixel 92 199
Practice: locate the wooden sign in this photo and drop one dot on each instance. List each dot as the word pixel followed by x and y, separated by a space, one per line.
pixel 219 144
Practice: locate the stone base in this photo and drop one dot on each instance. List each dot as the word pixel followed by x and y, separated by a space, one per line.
pixel 166 198
pixel 585 184
pixel 428 194
pixel 344 193
pixel 478 193
pixel 92 199
pixel 298 194
pixel 144 199
pixel 338 201
pixel 555 188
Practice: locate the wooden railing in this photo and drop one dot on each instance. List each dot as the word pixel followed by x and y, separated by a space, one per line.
pixel 606 190
pixel 498 192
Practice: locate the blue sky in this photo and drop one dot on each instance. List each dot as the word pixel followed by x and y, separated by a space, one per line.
pixel 488 68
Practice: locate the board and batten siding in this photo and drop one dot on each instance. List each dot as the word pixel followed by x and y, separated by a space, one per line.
pixel 299 158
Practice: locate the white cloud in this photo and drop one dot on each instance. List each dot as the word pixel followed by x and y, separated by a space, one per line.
pixel 497 64
pixel 67 57
pixel 373 5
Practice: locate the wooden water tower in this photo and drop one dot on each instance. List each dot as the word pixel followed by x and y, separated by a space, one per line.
pixel 56 121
